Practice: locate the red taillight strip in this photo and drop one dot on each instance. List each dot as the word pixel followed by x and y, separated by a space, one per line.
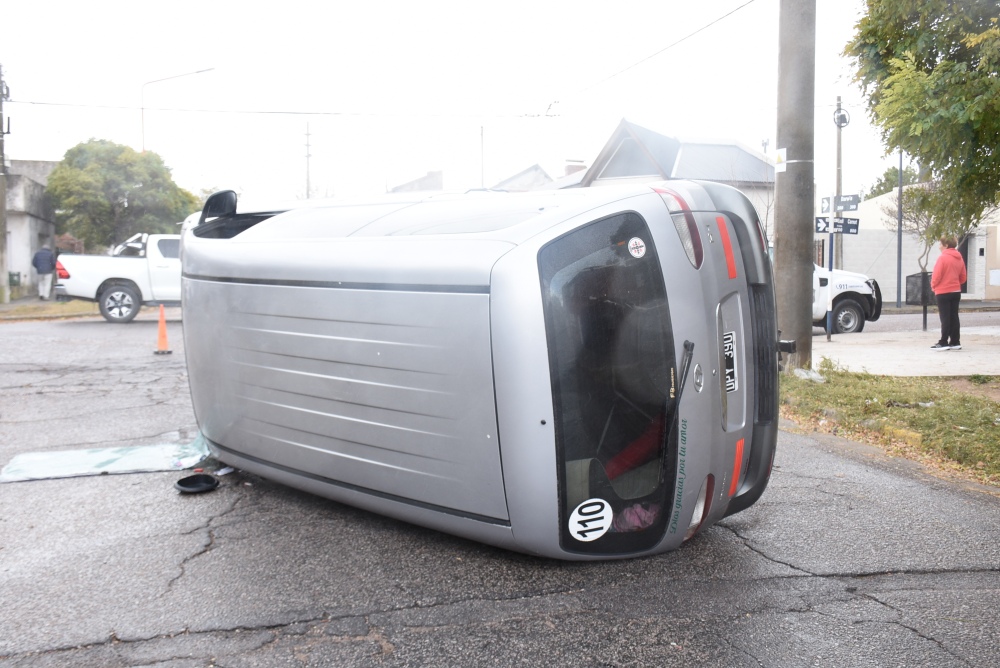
pixel 727 246
pixel 737 467
pixel 61 270
pixel 676 205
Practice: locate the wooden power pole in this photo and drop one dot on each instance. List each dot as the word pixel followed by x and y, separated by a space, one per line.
pixel 794 198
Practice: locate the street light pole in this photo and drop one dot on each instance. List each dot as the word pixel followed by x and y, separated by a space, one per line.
pixel 840 118
pixel 143 95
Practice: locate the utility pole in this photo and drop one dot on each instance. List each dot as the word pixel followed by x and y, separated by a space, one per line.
pixel 841 119
pixel 308 155
pixel 4 270
pixel 899 235
pixel 794 205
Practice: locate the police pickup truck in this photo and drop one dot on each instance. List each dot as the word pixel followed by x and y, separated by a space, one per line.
pixel 856 299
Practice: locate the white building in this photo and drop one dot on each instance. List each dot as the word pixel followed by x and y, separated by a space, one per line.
pixel 873 251
pixel 30 222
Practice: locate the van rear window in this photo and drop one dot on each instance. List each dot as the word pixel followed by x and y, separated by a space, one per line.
pixel 612 362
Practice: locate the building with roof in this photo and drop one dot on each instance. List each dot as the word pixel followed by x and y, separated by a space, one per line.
pixel 634 153
pixel 30 222
pixel 532 178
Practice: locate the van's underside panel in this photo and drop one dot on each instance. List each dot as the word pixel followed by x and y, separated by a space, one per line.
pixel 358 386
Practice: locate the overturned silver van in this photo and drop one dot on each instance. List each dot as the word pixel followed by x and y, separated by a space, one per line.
pixel 579 374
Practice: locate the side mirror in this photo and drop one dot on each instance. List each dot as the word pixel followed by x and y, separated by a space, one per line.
pixel 220 205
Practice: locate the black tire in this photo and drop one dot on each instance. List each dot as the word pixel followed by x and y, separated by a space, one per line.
pixel 848 317
pixel 119 303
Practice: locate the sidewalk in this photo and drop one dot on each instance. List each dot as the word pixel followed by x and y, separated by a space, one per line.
pixel 972 305
pixel 910 353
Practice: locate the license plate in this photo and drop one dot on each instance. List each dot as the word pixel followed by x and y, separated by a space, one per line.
pixel 729 355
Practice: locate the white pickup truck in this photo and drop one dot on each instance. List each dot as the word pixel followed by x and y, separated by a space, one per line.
pixel 144 270
pixel 856 299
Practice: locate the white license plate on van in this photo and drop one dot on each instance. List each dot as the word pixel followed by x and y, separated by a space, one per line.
pixel 729 357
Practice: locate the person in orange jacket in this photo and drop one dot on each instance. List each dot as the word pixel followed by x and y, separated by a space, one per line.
pixel 946 282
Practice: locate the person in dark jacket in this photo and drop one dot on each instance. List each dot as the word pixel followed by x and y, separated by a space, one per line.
pixel 44 263
pixel 946 282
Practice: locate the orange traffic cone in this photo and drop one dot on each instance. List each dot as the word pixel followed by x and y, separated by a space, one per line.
pixel 162 348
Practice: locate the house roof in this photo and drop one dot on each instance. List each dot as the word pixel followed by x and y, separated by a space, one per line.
pixel 635 152
pixel 532 178
pixel 729 163
pixel 429 182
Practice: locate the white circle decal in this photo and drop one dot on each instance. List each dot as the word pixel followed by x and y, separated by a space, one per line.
pixel 590 520
pixel 637 247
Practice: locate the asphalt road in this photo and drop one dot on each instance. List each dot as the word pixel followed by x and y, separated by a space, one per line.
pixel 849 559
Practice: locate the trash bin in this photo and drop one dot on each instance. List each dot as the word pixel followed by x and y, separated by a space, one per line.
pixel 14 279
pixel 918 290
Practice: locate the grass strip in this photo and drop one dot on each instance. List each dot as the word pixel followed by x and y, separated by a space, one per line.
pixel 917 417
pixel 52 308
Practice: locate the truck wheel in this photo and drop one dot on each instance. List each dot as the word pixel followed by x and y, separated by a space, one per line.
pixel 119 303
pixel 848 317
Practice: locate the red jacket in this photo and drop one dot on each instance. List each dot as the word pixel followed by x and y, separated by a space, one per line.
pixel 949 272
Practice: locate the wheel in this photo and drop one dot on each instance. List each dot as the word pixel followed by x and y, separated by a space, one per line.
pixel 848 317
pixel 119 303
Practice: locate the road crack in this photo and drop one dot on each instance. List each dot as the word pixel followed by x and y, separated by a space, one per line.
pixel 208 542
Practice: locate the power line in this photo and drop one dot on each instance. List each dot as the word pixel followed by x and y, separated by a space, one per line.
pixel 666 48
pixel 277 112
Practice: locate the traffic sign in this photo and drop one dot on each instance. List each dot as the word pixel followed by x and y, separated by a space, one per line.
pixel 824 205
pixel 844 225
pixel 847 202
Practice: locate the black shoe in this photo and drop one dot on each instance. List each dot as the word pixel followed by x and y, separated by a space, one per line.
pixel 940 346
pixel 957 346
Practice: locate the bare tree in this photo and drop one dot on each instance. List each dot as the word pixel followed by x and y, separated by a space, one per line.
pixel 917 222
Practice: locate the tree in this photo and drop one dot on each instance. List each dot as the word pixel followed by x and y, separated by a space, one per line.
pixel 917 220
pixel 104 193
pixel 890 181
pixel 931 70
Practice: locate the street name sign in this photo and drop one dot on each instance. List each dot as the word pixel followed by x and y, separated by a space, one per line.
pixel 847 203
pixel 844 225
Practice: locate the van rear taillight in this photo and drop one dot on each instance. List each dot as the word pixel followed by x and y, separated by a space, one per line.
pixel 61 270
pixel 683 219
pixel 734 483
pixel 727 247
pixel 702 507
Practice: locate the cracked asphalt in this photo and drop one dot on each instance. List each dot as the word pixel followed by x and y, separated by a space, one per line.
pixel 850 558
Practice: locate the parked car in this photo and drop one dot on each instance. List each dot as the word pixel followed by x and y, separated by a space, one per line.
pixel 579 374
pixel 856 299
pixel 143 270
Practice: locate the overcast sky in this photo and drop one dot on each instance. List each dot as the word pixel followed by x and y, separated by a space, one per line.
pixel 391 90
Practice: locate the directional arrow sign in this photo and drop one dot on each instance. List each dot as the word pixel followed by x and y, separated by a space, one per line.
pixel 845 225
